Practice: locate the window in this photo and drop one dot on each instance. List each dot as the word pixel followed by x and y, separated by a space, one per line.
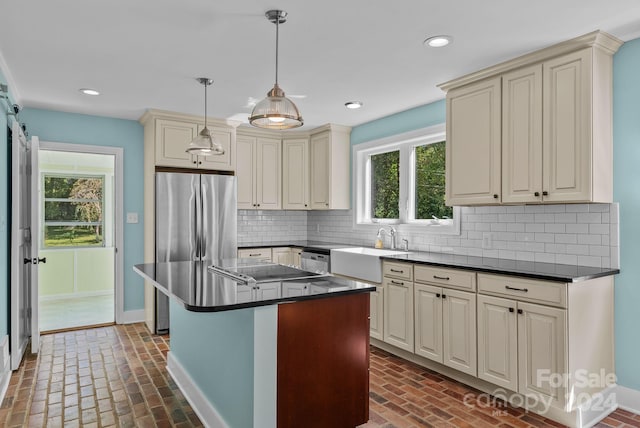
pixel 73 207
pixel 402 180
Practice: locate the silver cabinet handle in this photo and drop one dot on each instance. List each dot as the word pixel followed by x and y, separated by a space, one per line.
pixel 525 290
pixel 445 278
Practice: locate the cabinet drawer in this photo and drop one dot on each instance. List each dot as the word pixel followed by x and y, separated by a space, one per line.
pixel 398 270
pixel 454 278
pixel 255 253
pixel 531 290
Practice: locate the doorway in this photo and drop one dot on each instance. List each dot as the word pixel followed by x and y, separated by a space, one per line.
pixel 77 200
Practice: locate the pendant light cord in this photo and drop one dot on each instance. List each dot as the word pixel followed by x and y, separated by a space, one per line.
pixel 277 43
pixel 205 103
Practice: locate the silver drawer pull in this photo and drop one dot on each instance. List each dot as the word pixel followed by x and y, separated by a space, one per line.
pixel 516 289
pixel 397 283
pixel 446 278
pixel 396 271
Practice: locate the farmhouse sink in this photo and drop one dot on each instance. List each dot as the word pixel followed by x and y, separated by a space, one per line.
pixel 360 262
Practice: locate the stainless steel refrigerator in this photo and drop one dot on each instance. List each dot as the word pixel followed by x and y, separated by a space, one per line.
pixel 196 220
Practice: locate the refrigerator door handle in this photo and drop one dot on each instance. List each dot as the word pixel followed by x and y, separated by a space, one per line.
pixel 198 217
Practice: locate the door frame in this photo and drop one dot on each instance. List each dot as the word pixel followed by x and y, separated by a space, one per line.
pixel 118 202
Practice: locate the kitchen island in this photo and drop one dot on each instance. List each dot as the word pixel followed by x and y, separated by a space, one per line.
pixel 252 355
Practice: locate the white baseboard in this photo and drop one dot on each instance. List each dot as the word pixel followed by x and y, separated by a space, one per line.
pixel 67 296
pixel 628 399
pixel 130 317
pixel 206 412
pixel 599 407
pixel 5 366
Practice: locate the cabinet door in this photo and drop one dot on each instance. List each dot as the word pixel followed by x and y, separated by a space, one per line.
pixel 268 174
pixel 459 330
pixel 320 171
pixel 428 323
pixel 473 144
pixel 296 257
pixel 268 291
pixel 522 135
pixel 376 313
pixel 567 135
pixel 293 289
pixel 281 255
pixel 245 172
pixel 541 350
pixel 244 294
pixel 218 162
pixel 295 174
pixel 398 313
pixel 172 139
pixel 498 341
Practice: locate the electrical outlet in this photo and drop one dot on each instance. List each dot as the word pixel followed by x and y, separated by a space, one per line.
pixel 132 217
pixel 318 227
pixel 487 240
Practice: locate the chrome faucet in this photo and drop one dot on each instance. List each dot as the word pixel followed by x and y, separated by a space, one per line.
pixel 392 233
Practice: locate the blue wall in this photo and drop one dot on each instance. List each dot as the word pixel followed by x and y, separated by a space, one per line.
pixel 408 120
pixel 101 131
pixel 626 187
pixel 626 137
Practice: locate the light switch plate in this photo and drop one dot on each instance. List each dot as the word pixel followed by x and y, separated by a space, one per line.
pixel 132 217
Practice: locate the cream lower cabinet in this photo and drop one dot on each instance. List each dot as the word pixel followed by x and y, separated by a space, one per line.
pixel 263 254
pixel 296 257
pixel 376 313
pixel 398 313
pixel 520 345
pixel 445 326
pixel 281 255
pixel 293 289
pixel 258 170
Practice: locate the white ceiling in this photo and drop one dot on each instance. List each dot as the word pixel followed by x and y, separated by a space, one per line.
pixel 146 53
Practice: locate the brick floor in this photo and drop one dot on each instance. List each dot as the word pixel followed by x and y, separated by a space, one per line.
pixel 116 377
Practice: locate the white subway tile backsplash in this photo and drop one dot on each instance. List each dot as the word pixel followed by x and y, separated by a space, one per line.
pixel 569 234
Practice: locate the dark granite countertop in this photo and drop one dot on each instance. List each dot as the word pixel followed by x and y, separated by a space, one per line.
pixel 200 290
pixel 317 246
pixel 535 270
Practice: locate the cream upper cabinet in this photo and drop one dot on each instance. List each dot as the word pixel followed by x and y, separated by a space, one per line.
pixel 473 144
pixel 223 161
pixel 554 109
pixel 169 134
pixel 295 174
pixel 172 139
pixel 522 135
pixel 329 158
pixel 258 169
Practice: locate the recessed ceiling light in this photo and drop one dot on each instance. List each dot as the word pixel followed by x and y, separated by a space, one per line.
pixel 353 104
pixel 89 91
pixel 438 41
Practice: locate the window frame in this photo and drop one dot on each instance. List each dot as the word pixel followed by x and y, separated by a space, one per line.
pixel 45 223
pixel 361 190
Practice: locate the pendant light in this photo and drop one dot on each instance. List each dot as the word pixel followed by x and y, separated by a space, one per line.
pixel 276 111
pixel 204 144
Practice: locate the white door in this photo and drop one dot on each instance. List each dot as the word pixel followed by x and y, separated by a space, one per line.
pixel 459 331
pixel 24 277
pixel 34 178
pixel 428 323
pixel 398 313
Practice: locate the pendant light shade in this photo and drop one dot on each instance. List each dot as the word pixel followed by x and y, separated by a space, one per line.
pixel 204 144
pixel 276 111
